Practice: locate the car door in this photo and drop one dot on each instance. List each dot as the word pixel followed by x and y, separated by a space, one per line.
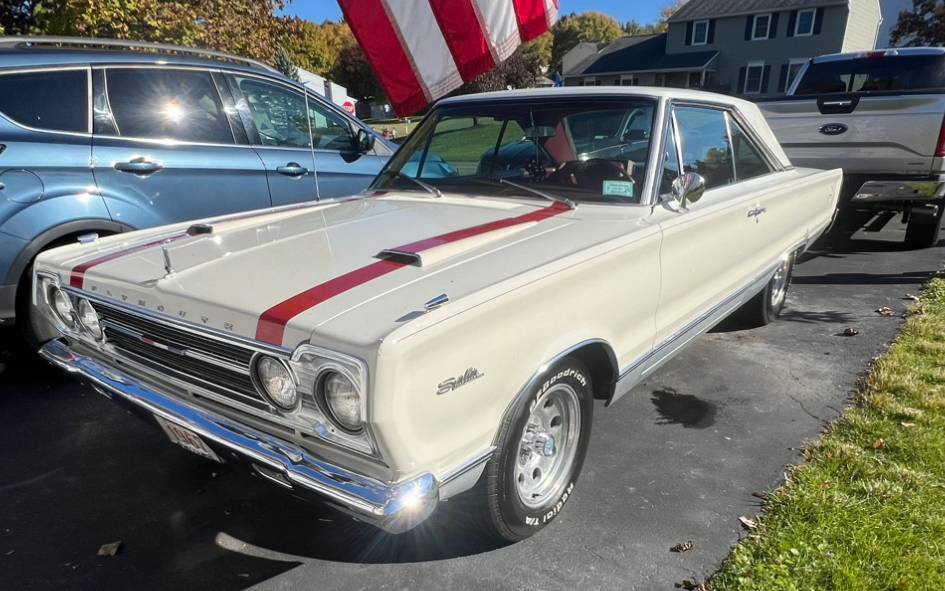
pixel 709 247
pixel 164 150
pixel 275 118
pixel 343 168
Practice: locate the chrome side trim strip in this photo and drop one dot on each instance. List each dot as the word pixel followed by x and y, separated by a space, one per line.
pixel 465 476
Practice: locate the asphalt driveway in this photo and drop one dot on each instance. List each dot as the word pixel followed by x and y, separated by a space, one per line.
pixel 677 459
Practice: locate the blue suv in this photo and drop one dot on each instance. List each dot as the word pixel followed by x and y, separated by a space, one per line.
pixel 103 136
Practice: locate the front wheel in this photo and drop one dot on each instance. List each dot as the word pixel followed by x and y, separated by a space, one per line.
pixel 540 452
pixel 767 305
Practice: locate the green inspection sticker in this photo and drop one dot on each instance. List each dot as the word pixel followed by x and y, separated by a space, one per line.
pixel 618 188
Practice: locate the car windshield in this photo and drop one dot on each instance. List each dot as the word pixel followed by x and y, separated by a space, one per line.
pixel 874 74
pixel 585 150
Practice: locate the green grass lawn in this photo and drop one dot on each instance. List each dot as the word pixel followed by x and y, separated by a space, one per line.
pixel 867 508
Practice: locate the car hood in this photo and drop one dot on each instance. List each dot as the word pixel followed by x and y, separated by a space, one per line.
pixel 279 275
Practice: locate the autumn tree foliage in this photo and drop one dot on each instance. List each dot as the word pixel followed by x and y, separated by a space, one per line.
pixel 593 27
pixel 923 25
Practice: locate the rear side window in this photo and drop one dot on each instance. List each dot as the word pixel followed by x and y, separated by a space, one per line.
pixel 874 74
pixel 167 104
pixel 749 162
pixel 57 101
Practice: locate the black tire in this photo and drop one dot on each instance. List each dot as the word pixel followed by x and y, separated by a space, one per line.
pixel 503 512
pixel 923 230
pixel 765 307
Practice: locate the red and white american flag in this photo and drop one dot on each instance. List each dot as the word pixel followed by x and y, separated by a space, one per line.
pixel 423 49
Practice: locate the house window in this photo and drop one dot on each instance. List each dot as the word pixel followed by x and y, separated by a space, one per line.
pixel 804 27
pixel 759 29
pixel 754 76
pixel 629 80
pixel 700 32
pixel 794 67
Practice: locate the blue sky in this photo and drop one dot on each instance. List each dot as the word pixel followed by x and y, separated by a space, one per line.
pixel 622 10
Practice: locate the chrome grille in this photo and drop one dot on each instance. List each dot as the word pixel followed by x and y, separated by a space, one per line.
pixel 206 362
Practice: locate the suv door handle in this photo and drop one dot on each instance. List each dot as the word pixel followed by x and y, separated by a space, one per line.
pixel 756 212
pixel 292 169
pixel 140 165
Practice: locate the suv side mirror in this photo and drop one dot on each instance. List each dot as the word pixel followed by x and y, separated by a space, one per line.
pixel 688 188
pixel 364 141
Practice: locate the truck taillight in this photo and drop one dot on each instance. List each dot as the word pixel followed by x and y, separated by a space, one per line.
pixel 940 147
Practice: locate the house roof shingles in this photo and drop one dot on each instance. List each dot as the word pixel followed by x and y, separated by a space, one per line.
pixel 699 9
pixel 641 54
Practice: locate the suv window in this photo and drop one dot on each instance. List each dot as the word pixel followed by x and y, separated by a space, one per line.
pixel 877 74
pixel 330 131
pixel 706 149
pixel 278 112
pixel 56 100
pixel 167 104
pixel 749 162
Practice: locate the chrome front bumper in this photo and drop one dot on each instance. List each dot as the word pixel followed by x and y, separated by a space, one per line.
pixel 904 190
pixel 395 507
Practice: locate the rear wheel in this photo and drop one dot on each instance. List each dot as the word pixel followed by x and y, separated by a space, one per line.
pixel 541 449
pixel 923 228
pixel 767 305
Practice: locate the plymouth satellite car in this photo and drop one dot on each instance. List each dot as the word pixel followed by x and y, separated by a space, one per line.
pixel 447 331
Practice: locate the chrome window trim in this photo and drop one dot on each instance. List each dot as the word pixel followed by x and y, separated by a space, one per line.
pixel 88 98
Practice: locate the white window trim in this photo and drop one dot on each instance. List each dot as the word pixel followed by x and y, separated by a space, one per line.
pixel 797 22
pixel 794 61
pixel 761 80
pixel 695 24
pixel 754 27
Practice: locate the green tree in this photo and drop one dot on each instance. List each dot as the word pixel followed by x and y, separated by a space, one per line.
pixel 538 50
pixel 923 25
pixel 633 28
pixel 16 16
pixel 355 73
pixel 520 70
pixel 593 27
pixel 245 27
pixel 316 48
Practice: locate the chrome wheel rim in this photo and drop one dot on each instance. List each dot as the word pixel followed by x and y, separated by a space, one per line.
pixel 779 283
pixel 548 446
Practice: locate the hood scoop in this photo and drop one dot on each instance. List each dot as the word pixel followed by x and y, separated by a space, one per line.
pixel 401 256
pixel 434 250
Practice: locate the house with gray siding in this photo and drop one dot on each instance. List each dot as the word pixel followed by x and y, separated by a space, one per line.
pixel 745 47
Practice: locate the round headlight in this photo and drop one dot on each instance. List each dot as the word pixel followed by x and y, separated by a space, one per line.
pixel 88 318
pixel 276 382
pixel 342 398
pixel 62 306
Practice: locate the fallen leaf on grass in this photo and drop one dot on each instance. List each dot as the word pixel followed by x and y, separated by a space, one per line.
pixel 109 549
pixel 760 495
pixel 690 585
pixel 907 425
pixel 879 444
pixel 885 311
pixel 748 523
pixel 850 332
pixel 823 485
pixel 911 296
pixel 682 547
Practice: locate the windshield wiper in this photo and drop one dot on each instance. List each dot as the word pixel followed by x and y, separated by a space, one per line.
pixel 426 187
pixel 548 196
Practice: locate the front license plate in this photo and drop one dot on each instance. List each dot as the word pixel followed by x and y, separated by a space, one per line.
pixel 187 439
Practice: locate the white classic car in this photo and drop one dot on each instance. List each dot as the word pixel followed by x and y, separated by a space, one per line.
pixel 450 328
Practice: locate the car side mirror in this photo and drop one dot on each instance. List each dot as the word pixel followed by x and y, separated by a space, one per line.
pixel 364 141
pixel 688 188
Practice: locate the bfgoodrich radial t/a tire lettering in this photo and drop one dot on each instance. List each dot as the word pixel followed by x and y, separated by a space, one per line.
pixel 540 452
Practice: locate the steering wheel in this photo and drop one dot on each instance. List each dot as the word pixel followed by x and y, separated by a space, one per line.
pixel 590 173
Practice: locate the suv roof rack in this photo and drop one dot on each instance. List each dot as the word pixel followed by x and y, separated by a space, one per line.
pixel 25 41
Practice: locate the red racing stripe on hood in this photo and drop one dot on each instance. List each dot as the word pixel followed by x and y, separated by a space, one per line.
pixel 271 325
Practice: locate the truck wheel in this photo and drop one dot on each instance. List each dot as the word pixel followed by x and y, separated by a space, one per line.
pixel 767 305
pixel 540 452
pixel 923 229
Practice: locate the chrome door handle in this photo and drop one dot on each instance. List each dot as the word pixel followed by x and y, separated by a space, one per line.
pixel 292 169
pixel 140 166
pixel 756 212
